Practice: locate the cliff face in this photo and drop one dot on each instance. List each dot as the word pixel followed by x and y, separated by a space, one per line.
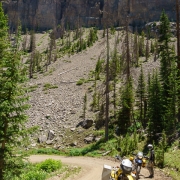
pixel 47 14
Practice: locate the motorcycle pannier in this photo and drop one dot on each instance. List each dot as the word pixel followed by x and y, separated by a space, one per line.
pixel 106 172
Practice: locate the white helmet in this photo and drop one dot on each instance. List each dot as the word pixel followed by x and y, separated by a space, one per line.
pixel 126 166
pixel 150 146
pixel 140 155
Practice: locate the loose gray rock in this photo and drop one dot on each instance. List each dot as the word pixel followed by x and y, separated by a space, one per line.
pixel 33 145
pixel 86 124
pixel 51 135
pixel 73 144
pixel 89 139
pixel 97 139
pixel 42 139
pixel 73 129
pixel 49 142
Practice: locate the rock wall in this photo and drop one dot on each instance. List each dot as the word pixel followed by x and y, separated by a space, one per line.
pixel 47 14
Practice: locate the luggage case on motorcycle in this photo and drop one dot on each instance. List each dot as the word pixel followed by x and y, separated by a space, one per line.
pixel 106 172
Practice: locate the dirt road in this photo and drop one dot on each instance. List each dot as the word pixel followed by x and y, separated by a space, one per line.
pixel 92 167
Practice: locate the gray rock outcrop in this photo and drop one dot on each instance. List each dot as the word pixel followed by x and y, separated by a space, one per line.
pixel 48 14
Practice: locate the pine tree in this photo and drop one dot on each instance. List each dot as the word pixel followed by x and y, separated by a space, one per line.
pixel 12 104
pixel 128 57
pixel 141 45
pixel 152 50
pixel 167 58
pixel 141 93
pixel 156 55
pixel 155 106
pixel 172 100
pixel 127 99
pixel 114 71
pixel 52 45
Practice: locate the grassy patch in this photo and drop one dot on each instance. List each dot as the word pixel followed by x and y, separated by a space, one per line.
pixel 80 82
pixel 32 88
pixel 47 169
pixel 49 86
pixel 48 151
pixel 172 163
pixel 96 149
pixel 68 171
pixel 67 61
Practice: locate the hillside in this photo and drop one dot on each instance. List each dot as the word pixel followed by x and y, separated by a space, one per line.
pixel 100 84
pixel 59 110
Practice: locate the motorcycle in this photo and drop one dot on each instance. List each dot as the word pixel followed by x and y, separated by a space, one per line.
pixel 122 172
pixel 139 161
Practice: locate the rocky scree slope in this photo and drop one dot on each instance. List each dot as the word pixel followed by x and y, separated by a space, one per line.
pixel 58 111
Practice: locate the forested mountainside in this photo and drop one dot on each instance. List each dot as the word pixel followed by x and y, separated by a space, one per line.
pixel 47 14
pixel 90 91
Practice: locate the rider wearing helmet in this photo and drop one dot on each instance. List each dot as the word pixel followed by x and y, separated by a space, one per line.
pixel 126 166
pixel 151 160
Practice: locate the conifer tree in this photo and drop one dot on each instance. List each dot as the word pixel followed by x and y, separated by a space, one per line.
pixel 12 104
pixel 141 45
pixel 156 50
pixel 114 71
pixel 141 93
pixel 52 45
pixel 172 105
pixel 167 57
pixel 155 106
pixel 128 58
pixel 127 99
pixel 152 49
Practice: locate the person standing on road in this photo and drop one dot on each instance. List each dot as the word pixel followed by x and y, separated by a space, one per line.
pixel 150 165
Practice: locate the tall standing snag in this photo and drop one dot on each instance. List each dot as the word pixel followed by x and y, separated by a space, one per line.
pixel 107 91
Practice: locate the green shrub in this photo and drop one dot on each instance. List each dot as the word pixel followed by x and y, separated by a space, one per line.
pixel 128 143
pixel 49 165
pixel 112 30
pixel 80 82
pixel 34 175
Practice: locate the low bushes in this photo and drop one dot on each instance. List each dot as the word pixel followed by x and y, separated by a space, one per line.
pixel 49 165
pixel 39 171
pixel 33 175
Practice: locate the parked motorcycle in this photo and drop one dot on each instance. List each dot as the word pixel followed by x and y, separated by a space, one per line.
pixel 139 161
pixel 122 172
